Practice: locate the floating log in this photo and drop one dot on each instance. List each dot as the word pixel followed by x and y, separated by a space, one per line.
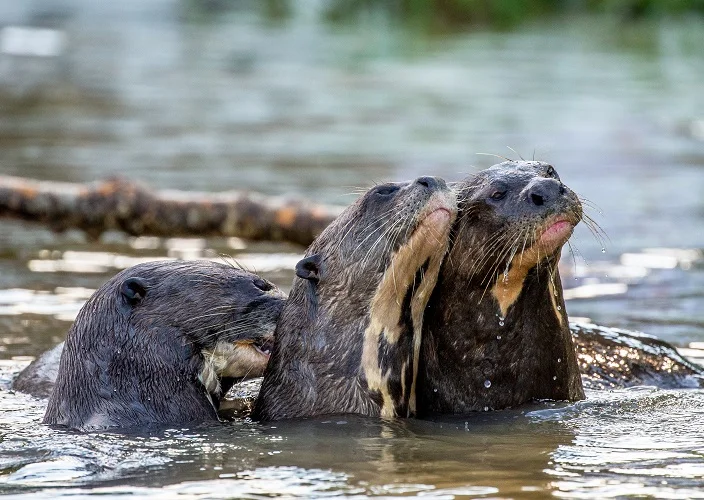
pixel 123 205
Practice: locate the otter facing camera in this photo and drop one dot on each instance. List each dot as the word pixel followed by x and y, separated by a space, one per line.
pixel 134 290
pixel 309 268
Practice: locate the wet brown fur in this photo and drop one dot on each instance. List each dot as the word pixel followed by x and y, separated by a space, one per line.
pixel 349 336
pixel 153 345
pixel 496 332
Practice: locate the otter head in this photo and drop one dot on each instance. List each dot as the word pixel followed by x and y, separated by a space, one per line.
pixel 349 336
pixel 514 217
pixel 153 344
pixel 496 325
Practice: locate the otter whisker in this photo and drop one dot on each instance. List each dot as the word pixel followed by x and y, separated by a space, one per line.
pixel 590 203
pixel 376 220
pixel 525 242
pixel 368 227
pixel 390 235
pixel 599 234
pixel 487 252
pixel 488 249
pixel 510 259
pixel 244 377
pixel 495 155
pixel 504 245
pixel 486 246
pixel 574 257
pixel 519 155
pixel 492 276
pixel 506 255
pixel 383 230
pixel 385 233
pixel 540 259
pixel 216 327
pixel 227 307
pixel 234 263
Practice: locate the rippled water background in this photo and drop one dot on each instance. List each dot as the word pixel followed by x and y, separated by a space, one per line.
pixel 233 101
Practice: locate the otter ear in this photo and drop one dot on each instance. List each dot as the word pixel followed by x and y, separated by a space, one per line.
pixel 309 268
pixel 134 290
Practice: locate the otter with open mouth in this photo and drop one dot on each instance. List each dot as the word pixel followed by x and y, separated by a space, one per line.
pixel 160 343
pixel 496 332
pixel 348 339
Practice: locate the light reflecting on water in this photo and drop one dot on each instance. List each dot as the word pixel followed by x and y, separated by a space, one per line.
pixel 63 303
pixel 607 446
pixel 103 262
pixel 639 441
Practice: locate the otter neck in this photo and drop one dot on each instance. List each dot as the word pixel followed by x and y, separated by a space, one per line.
pixel 392 340
pixel 144 379
pixel 497 346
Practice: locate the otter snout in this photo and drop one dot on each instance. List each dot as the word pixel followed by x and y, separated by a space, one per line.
pixel 431 183
pixel 543 192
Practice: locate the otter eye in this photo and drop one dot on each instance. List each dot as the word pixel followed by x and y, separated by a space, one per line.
pixel 263 285
pixel 550 172
pixel 498 195
pixel 386 190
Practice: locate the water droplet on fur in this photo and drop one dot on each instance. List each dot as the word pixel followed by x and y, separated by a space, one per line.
pixel 435 390
pixel 498 337
pixel 554 377
pixel 487 383
pixel 486 408
pixel 501 323
pixel 559 360
pixel 559 308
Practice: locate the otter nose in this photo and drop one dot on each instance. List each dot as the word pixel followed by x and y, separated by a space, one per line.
pixel 543 191
pixel 431 182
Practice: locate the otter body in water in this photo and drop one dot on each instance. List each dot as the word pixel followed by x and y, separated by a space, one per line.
pixel 612 358
pixel 496 332
pixel 349 336
pixel 157 343
pixel 39 377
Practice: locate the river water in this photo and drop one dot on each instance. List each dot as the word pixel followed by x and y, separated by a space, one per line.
pixel 219 98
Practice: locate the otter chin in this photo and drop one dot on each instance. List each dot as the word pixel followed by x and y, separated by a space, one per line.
pixel 496 332
pixel 160 343
pixel 349 336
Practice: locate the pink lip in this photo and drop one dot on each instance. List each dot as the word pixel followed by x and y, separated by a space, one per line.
pixel 559 230
pixel 440 210
pixel 438 215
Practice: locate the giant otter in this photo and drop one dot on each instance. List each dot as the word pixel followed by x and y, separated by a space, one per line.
pixel 496 333
pixel 349 336
pixel 155 343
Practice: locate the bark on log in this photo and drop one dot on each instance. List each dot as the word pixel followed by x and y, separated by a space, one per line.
pixel 119 204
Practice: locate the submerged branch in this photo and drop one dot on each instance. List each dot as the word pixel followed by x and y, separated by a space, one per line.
pixel 122 205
